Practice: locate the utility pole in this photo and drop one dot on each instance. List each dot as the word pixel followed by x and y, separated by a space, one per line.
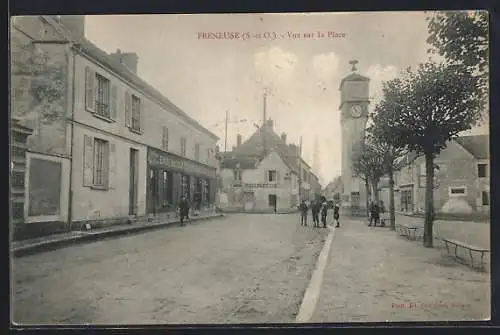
pixel 225 132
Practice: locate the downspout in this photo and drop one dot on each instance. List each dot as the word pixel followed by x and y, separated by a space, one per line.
pixel 70 195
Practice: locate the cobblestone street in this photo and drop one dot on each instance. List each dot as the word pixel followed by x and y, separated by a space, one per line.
pixel 373 275
pixel 238 269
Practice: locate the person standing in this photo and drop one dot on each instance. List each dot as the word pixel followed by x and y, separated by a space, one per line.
pixel 303 213
pixel 374 214
pixel 382 213
pixel 183 210
pixel 336 215
pixel 324 211
pixel 315 213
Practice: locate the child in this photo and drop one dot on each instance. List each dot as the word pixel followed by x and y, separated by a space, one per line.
pixel 303 213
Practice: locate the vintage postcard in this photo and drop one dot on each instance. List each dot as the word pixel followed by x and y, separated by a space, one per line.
pixel 250 168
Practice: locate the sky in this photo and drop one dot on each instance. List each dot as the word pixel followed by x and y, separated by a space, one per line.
pixel 207 77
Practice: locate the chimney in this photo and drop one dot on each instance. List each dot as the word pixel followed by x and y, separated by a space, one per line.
pixel 238 140
pixel 129 59
pixel 283 137
pixel 75 24
pixel 270 124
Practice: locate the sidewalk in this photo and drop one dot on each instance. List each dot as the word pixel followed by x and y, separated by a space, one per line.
pixel 373 275
pixel 46 243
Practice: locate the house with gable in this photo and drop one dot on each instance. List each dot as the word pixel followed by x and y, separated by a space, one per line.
pixel 461 179
pixel 265 174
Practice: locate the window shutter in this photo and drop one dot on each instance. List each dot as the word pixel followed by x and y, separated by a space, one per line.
pixel 128 109
pixel 113 102
pixel 89 89
pixel 112 177
pixel 141 116
pixel 165 138
pixel 88 161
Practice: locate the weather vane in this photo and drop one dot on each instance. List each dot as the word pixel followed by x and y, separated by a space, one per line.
pixel 353 64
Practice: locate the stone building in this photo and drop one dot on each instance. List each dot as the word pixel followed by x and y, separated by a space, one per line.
pixel 461 182
pixel 117 148
pixel 265 173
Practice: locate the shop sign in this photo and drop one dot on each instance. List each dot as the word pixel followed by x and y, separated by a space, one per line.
pixel 174 163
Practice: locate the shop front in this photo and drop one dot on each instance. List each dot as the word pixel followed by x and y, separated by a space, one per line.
pixel 170 177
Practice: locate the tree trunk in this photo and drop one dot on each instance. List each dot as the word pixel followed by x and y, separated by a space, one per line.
pixel 429 200
pixel 375 191
pixel 367 190
pixel 392 211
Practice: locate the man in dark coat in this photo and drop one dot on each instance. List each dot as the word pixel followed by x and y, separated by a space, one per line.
pixel 303 213
pixel 315 212
pixel 374 214
pixel 183 210
pixel 324 211
pixel 336 215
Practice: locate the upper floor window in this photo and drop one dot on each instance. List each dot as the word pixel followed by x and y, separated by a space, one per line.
pixel 482 170
pixel 456 191
pixel 197 151
pixel 165 139
pixel 100 95
pixel 136 113
pixel 183 146
pixel 485 198
pixel 237 175
pixel 133 112
pixel 272 176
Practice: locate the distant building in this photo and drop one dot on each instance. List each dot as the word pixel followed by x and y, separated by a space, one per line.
pixel 265 173
pixel 461 182
pixel 106 145
pixel 334 190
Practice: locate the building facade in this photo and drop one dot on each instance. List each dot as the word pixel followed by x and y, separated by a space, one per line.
pixel 461 182
pixel 265 174
pixel 107 135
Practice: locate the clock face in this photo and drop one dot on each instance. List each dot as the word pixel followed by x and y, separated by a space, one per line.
pixel 356 111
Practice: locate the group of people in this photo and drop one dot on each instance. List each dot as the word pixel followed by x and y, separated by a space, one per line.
pixel 375 214
pixel 318 207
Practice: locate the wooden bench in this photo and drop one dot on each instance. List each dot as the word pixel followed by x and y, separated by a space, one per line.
pixel 408 232
pixel 470 248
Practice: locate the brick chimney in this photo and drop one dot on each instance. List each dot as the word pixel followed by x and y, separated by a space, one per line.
pixel 238 140
pixel 129 59
pixel 74 23
pixel 283 137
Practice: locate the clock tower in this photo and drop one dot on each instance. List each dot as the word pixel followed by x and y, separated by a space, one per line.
pixel 354 101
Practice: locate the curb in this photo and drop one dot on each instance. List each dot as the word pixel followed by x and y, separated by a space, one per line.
pixel 92 237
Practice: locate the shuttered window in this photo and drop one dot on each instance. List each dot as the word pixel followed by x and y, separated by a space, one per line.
pixel 183 146
pixel 165 139
pixel 197 151
pixel 99 169
pixel 100 95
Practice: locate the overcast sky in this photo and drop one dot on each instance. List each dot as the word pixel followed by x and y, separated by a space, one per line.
pixel 207 77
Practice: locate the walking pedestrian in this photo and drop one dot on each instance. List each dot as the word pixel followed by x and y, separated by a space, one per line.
pixel 324 211
pixel 336 215
pixel 303 213
pixel 183 210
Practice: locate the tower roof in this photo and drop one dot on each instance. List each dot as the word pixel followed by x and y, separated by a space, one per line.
pixel 353 77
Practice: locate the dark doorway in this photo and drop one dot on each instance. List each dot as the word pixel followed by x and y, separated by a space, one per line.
pixel 272 201
pixel 132 208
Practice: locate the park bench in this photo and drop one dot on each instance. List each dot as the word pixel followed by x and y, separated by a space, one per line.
pixel 470 248
pixel 408 232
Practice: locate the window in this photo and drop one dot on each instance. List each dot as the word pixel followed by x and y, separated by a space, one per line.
pixel 102 99
pixel 457 191
pixel 208 153
pixel 272 176
pixel 237 175
pixel 183 146
pixel 486 198
pixel 481 170
pixel 101 162
pixel 165 139
pixel 136 113
pixel 206 191
pixel 197 151
pixel 185 186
